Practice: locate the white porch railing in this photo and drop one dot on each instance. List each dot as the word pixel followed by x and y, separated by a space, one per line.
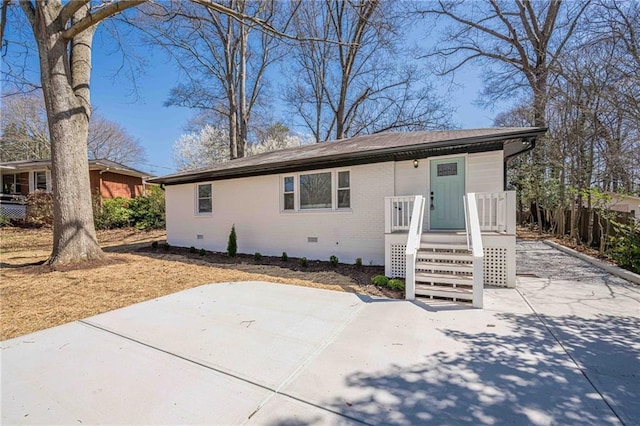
pixel 497 211
pixel 13 210
pixel 475 236
pixel 397 211
pixel 413 244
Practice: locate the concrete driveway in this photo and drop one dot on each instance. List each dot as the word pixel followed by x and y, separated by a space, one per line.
pixel 267 354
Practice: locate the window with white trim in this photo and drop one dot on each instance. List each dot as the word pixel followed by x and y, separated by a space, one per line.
pixel 40 180
pixel 205 198
pixel 344 190
pixel 11 184
pixel 315 191
pixel 289 202
pixel 327 190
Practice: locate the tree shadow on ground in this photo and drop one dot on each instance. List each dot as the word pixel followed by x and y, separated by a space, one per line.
pixel 521 378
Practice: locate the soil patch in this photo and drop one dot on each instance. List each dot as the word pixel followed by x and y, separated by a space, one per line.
pixel 34 296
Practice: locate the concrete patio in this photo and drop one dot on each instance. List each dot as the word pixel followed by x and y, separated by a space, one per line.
pixel 561 349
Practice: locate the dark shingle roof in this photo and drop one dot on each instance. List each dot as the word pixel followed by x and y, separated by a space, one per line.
pixel 101 164
pixel 362 150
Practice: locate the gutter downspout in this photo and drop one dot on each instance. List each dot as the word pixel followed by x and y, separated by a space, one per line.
pixel 532 144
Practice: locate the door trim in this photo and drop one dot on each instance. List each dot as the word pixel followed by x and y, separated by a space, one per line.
pixel 428 192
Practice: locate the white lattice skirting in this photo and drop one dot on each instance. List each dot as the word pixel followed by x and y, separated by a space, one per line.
pixel 495 266
pixel 13 211
pixel 398 260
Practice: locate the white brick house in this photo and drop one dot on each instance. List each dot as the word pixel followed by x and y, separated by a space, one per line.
pixel 355 198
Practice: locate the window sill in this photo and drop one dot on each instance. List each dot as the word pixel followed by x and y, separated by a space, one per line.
pixel 210 214
pixel 317 211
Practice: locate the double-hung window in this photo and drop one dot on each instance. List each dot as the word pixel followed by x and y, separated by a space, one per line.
pixel 344 190
pixel 40 180
pixel 205 198
pixel 329 190
pixel 289 193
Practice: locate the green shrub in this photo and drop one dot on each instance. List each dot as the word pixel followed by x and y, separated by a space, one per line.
pixel 303 262
pixel 358 262
pixel 154 246
pixel 333 260
pixel 166 246
pixel 232 244
pixel 257 256
pixel 144 212
pixel 148 211
pixel 380 281
pixel 396 284
pixel 39 208
pixel 192 250
pixel 113 213
pixel 284 257
pixel 202 252
pixel 624 248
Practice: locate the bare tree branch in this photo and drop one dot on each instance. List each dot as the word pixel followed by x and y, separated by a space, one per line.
pixel 101 14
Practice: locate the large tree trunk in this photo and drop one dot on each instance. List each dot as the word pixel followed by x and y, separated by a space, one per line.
pixel 68 111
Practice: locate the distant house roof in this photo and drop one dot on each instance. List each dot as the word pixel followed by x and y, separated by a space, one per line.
pixel 102 164
pixel 366 149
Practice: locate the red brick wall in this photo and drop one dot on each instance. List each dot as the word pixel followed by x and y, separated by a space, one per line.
pixel 94 181
pixel 115 185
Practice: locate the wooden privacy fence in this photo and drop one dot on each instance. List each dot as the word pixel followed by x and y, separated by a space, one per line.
pixel 590 222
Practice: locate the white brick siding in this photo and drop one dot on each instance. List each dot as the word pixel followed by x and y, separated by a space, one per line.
pixel 254 205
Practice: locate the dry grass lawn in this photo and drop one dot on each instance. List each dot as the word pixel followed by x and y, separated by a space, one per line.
pixel 34 297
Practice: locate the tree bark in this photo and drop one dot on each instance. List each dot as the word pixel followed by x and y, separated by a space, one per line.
pixel 68 112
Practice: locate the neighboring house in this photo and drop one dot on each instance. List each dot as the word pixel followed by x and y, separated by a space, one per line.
pixel 107 178
pixel 358 198
pixel 625 203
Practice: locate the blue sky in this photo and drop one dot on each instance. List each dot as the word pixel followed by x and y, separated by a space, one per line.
pixel 157 127
pixel 140 109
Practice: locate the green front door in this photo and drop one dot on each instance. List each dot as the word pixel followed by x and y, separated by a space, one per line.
pixel 447 189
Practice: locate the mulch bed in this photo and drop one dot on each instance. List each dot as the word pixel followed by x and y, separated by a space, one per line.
pixel 361 275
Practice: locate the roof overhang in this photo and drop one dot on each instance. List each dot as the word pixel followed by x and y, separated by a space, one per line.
pixel 504 141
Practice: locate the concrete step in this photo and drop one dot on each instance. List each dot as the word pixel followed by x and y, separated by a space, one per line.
pixel 443 246
pixel 444 237
pixel 426 277
pixel 422 265
pixel 444 291
pixel 457 256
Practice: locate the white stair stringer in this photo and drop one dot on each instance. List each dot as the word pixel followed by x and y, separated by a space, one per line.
pixel 444 270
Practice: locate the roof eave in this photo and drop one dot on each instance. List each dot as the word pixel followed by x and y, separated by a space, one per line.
pixel 453 146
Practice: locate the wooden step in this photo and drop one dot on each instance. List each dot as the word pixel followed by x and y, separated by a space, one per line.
pixel 444 291
pixel 443 246
pixel 427 277
pixel 422 265
pixel 434 255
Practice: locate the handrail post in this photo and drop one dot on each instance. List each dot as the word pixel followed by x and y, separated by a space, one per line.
pixel 477 250
pixel 387 215
pixel 510 212
pixel 413 244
